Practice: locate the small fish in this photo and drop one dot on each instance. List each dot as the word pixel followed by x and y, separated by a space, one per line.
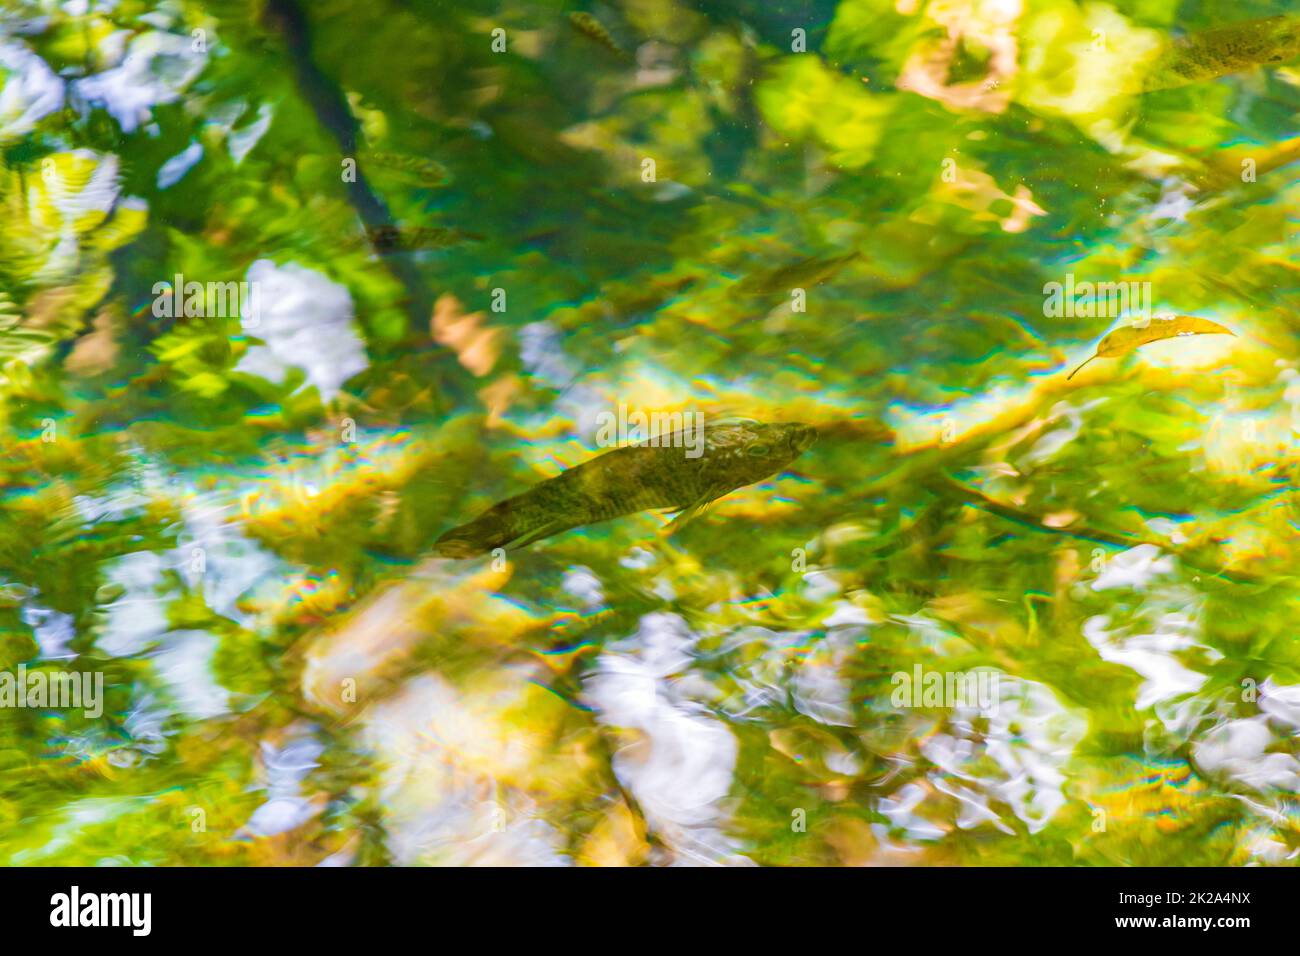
pixel 1224 50
pixel 430 172
pixel 796 275
pixel 635 478
pixel 595 31
pixel 410 238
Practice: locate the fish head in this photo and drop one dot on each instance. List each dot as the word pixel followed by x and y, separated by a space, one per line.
pixel 768 449
pixel 1288 36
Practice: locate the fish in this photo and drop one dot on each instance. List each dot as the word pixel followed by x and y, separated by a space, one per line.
pixel 595 31
pixel 642 477
pixel 796 275
pixel 1224 50
pixel 409 238
pixel 430 172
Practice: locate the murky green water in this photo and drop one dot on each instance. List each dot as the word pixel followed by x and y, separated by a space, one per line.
pixel 288 291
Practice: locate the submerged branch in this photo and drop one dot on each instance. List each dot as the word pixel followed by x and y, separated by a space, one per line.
pixel 947 486
pixel 330 106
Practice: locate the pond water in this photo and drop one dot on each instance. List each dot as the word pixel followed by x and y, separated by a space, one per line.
pixel 290 290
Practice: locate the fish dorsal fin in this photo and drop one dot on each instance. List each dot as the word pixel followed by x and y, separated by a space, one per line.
pixel 727 410
pixel 684 437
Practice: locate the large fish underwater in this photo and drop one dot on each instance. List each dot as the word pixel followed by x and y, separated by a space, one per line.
pixel 635 478
pixel 1224 50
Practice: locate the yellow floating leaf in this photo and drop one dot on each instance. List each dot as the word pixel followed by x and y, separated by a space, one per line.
pixel 1129 337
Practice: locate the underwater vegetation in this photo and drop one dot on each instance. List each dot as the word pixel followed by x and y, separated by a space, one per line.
pixel 860 432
